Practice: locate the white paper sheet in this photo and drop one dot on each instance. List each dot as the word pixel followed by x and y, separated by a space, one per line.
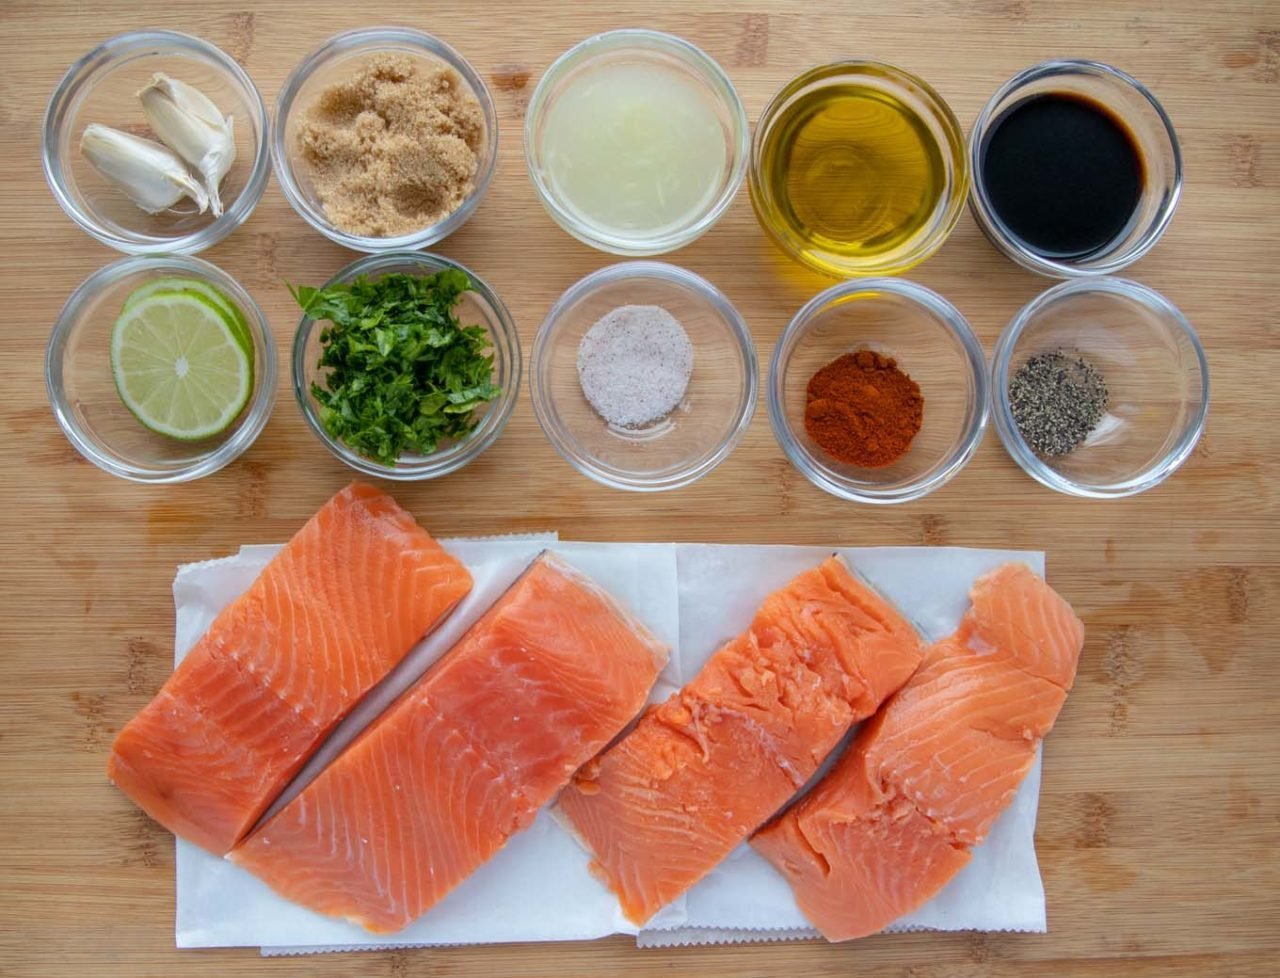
pixel 538 888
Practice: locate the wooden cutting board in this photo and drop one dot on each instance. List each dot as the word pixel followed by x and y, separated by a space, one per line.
pixel 1160 819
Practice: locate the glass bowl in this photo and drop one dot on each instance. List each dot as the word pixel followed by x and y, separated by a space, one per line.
pixel 83 394
pixel 1156 375
pixel 480 306
pixel 699 433
pixel 337 60
pixel 102 87
pixel 1149 126
pixel 931 342
pixel 653 49
pixel 888 84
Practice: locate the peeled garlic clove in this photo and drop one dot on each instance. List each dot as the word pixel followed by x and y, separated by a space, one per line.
pixel 154 178
pixel 190 124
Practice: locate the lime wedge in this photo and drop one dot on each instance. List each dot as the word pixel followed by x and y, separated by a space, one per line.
pixel 179 366
pixel 235 316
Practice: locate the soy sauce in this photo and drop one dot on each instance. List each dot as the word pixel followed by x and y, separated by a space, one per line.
pixel 1062 174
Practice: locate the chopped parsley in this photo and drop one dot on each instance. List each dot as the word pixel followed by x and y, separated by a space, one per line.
pixel 404 374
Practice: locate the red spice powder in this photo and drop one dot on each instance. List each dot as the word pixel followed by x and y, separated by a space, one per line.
pixel 863 410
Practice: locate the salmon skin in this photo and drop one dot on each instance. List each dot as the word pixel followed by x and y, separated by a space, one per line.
pixel 927 777
pixel 327 618
pixel 660 808
pixel 465 758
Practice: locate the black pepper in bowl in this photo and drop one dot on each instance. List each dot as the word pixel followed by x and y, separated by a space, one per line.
pixel 1057 400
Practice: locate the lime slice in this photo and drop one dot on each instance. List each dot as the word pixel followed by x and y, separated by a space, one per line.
pixel 235 317
pixel 179 366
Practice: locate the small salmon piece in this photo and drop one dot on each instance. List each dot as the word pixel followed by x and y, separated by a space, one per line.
pixel 926 778
pixel 1016 615
pixel 465 758
pixel 327 618
pixel 660 808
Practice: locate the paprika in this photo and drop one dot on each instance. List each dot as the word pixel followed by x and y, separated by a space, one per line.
pixel 862 410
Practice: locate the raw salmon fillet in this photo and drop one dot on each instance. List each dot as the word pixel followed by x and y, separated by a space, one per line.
pixel 326 619
pixel 698 773
pixel 928 776
pixel 465 758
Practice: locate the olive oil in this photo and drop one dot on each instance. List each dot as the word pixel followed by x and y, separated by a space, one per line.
pixel 849 171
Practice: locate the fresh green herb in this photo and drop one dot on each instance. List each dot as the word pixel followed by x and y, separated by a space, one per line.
pixel 404 373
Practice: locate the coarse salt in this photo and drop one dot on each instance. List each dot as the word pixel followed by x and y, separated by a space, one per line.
pixel 634 365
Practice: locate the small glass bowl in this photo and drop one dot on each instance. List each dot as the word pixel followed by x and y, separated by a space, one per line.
pixel 943 128
pixel 1148 124
pixel 1157 384
pixel 102 87
pixel 932 344
pixel 636 46
pixel 336 60
pixel 480 306
pixel 82 390
pixel 699 433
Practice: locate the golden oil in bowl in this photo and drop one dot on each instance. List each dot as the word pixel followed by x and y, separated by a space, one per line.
pixel 853 170
pixel 858 168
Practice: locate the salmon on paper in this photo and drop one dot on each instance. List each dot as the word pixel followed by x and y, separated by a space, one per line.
pixel 465 758
pixel 703 770
pixel 924 780
pixel 328 617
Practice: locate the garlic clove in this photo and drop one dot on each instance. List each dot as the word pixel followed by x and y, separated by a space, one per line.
pixel 153 177
pixel 188 122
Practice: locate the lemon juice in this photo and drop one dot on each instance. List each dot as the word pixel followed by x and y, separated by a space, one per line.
pixel 634 149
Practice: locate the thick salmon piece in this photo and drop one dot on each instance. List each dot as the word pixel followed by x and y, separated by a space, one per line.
pixel 326 619
pixel 927 777
pixel 464 759
pixel 700 772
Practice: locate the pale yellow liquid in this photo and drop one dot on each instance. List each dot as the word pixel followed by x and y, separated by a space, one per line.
pixel 634 149
pixel 852 174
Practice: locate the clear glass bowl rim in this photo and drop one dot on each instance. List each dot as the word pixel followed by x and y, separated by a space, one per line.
pixel 952 320
pixel 609 275
pixel 256 412
pixel 353 40
pixel 692 55
pixel 1007 429
pixel 494 421
pixel 956 192
pixel 981 205
pixel 68 88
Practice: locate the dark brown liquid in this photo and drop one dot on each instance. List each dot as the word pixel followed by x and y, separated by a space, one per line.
pixel 1062 174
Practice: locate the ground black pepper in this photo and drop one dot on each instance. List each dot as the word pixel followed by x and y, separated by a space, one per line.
pixel 1057 399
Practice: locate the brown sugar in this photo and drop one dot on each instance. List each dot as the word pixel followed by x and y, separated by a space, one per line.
pixel 395 148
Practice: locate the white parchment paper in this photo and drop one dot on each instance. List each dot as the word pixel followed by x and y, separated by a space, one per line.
pixel 538 888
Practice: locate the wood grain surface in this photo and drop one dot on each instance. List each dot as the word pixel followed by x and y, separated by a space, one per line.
pixel 1160 819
